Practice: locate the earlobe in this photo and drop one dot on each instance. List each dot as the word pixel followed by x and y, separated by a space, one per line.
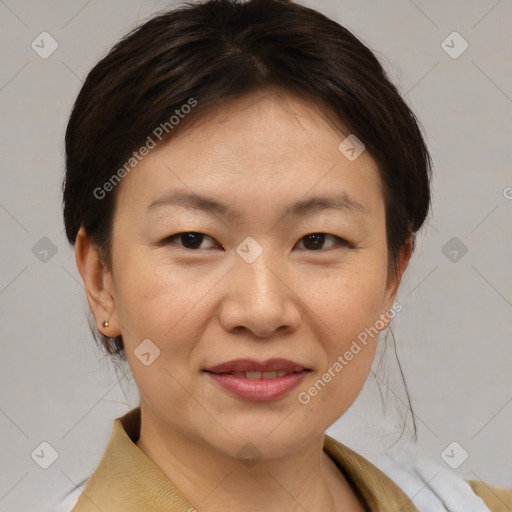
pixel 98 285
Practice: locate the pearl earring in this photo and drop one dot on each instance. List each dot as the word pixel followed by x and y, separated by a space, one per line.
pixel 105 324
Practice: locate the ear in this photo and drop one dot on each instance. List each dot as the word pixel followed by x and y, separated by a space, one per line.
pixel 394 282
pixel 98 284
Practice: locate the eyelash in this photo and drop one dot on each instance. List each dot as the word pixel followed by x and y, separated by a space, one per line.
pixel 341 242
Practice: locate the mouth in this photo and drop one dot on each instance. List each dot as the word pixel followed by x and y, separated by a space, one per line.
pixel 257 381
pixel 257 375
pixel 253 370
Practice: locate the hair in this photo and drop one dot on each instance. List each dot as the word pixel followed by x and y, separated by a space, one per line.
pixel 217 50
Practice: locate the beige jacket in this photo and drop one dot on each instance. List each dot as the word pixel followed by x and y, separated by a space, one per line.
pixel 126 480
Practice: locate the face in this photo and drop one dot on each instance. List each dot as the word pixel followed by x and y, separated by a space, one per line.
pixel 272 273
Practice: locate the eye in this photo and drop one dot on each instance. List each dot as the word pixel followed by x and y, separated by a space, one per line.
pixel 314 241
pixel 192 240
pixel 188 239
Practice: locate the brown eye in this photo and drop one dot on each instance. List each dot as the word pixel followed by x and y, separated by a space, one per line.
pixel 189 240
pixel 193 240
pixel 315 241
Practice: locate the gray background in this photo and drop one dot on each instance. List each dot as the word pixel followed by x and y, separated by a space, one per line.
pixel 454 335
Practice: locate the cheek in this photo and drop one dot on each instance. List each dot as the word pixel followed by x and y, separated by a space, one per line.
pixel 347 309
pixel 346 305
pixel 166 305
pixel 157 303
pixel 149 293
pixel 346 299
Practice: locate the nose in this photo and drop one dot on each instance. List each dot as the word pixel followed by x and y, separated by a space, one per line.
pixel 260 299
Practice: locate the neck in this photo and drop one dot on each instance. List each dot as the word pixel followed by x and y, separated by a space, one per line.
pixel 305 479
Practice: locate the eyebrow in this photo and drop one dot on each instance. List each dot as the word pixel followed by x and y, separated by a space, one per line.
pixel 339 201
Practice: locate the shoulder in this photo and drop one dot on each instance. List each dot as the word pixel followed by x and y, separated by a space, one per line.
pixel 498 499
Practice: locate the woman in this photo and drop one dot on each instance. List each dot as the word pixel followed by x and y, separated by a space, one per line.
pixel 243 190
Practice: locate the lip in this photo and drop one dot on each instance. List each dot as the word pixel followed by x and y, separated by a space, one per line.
pixel 251 365
pixel 258 390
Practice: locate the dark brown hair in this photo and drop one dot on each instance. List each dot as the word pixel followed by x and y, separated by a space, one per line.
pixel 222 49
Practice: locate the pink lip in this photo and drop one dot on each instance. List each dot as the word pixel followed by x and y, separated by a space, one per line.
pixel 259 390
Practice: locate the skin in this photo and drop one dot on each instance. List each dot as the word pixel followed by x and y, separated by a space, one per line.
pixel 204 306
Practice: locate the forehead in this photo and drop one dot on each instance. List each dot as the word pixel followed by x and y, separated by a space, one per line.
pixel 260 149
